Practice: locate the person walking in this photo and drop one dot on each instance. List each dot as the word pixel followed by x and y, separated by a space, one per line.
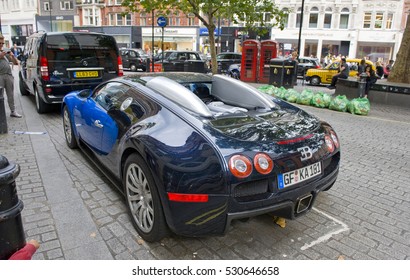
pixel 343 73
pixel 6 76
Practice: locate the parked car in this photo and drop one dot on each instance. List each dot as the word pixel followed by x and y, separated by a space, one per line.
pixel 184 61
pixel 191 154
pixel 165 54
pixel 324 75
pixel 225 59
pixel 306 63
pixel 56 63
pixel 134 59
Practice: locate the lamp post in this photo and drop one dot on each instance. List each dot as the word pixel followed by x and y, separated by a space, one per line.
pixel 1 31
pixel 152 47
pixel 300 26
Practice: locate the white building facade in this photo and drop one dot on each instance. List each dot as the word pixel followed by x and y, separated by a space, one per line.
pixel 354 28
pixel 17 20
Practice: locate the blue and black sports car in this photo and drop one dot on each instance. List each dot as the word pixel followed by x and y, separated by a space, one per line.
pixel 191 152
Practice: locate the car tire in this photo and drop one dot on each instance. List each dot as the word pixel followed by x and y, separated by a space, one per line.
pixel 22 86
pixel 143 201
pixel 68 129
pixel 41 106
pixel 133 68
pixel 315 81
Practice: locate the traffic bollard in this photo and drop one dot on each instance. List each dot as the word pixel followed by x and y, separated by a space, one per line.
pixel 3 120
pixel 12 237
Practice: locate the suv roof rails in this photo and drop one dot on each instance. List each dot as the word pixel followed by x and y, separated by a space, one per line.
pixel 38 31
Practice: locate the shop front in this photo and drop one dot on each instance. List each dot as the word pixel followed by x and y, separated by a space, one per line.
pixel 173 38
pixel 55 23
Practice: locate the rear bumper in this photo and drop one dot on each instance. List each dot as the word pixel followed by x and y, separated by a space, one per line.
pixel 54 93
pixel 287 207
pixel 215 216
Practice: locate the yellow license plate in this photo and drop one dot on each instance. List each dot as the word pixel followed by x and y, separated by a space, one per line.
pixel 86 74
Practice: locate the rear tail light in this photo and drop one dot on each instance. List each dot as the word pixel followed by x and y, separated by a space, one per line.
pixel 120 68
pixel 317 66
pixel 263 163
pixel 329 144
pixel 44 68
pixel 335 139
pixel 240 166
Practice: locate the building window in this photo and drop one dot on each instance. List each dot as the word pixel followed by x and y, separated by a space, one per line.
pixel 143 19
pixel 286 17
pixel 128 19
pixel 298 17
pixel 191 19
pixel 47 6
pixel 268 17
pixel 66 5
pixel 119 19
pixel 389 21
pixel 313 17
pixel 327 21
pixel 91 16
pixel 378 22
pixel 344 19
pixel 367 20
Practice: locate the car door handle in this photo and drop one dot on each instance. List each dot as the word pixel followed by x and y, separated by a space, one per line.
pixel 98 124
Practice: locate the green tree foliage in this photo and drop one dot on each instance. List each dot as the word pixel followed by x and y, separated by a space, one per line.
pixel 209 11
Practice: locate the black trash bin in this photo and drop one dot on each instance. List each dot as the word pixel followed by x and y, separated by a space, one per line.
pixel 283 73
pixel 12 236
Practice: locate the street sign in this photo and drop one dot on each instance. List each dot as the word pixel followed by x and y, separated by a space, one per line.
pixel 162 21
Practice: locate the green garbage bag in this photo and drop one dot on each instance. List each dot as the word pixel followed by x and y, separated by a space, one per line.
pixel 292 95
pixel 282 92
pixel 321 100
pixel 305 97
pixel 269 89
pixel 359 106
pixel 339 103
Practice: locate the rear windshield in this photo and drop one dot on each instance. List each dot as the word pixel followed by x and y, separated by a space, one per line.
pixel 82 50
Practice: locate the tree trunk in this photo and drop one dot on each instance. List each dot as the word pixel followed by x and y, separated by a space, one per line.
pixel 211 36
pixel 400 73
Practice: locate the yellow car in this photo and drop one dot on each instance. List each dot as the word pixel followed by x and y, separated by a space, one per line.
pixel 324 75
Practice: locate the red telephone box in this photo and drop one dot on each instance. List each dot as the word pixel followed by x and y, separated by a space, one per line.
pixel 268 51
pixel 249 64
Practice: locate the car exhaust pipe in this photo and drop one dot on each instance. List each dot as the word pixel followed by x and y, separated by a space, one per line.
pixel 304 203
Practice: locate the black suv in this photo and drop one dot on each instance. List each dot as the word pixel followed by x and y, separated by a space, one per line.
pixel 226 59
pixel 306 63
pixel 184 61
pixel 56 63
pixel 134 59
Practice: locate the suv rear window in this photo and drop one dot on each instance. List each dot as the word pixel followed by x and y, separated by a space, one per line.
pixel 81 50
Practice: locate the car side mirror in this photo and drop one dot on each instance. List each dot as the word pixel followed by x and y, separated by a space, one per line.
pixel 85 93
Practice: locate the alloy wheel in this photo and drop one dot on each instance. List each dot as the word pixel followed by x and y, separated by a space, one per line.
pixel 139 198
